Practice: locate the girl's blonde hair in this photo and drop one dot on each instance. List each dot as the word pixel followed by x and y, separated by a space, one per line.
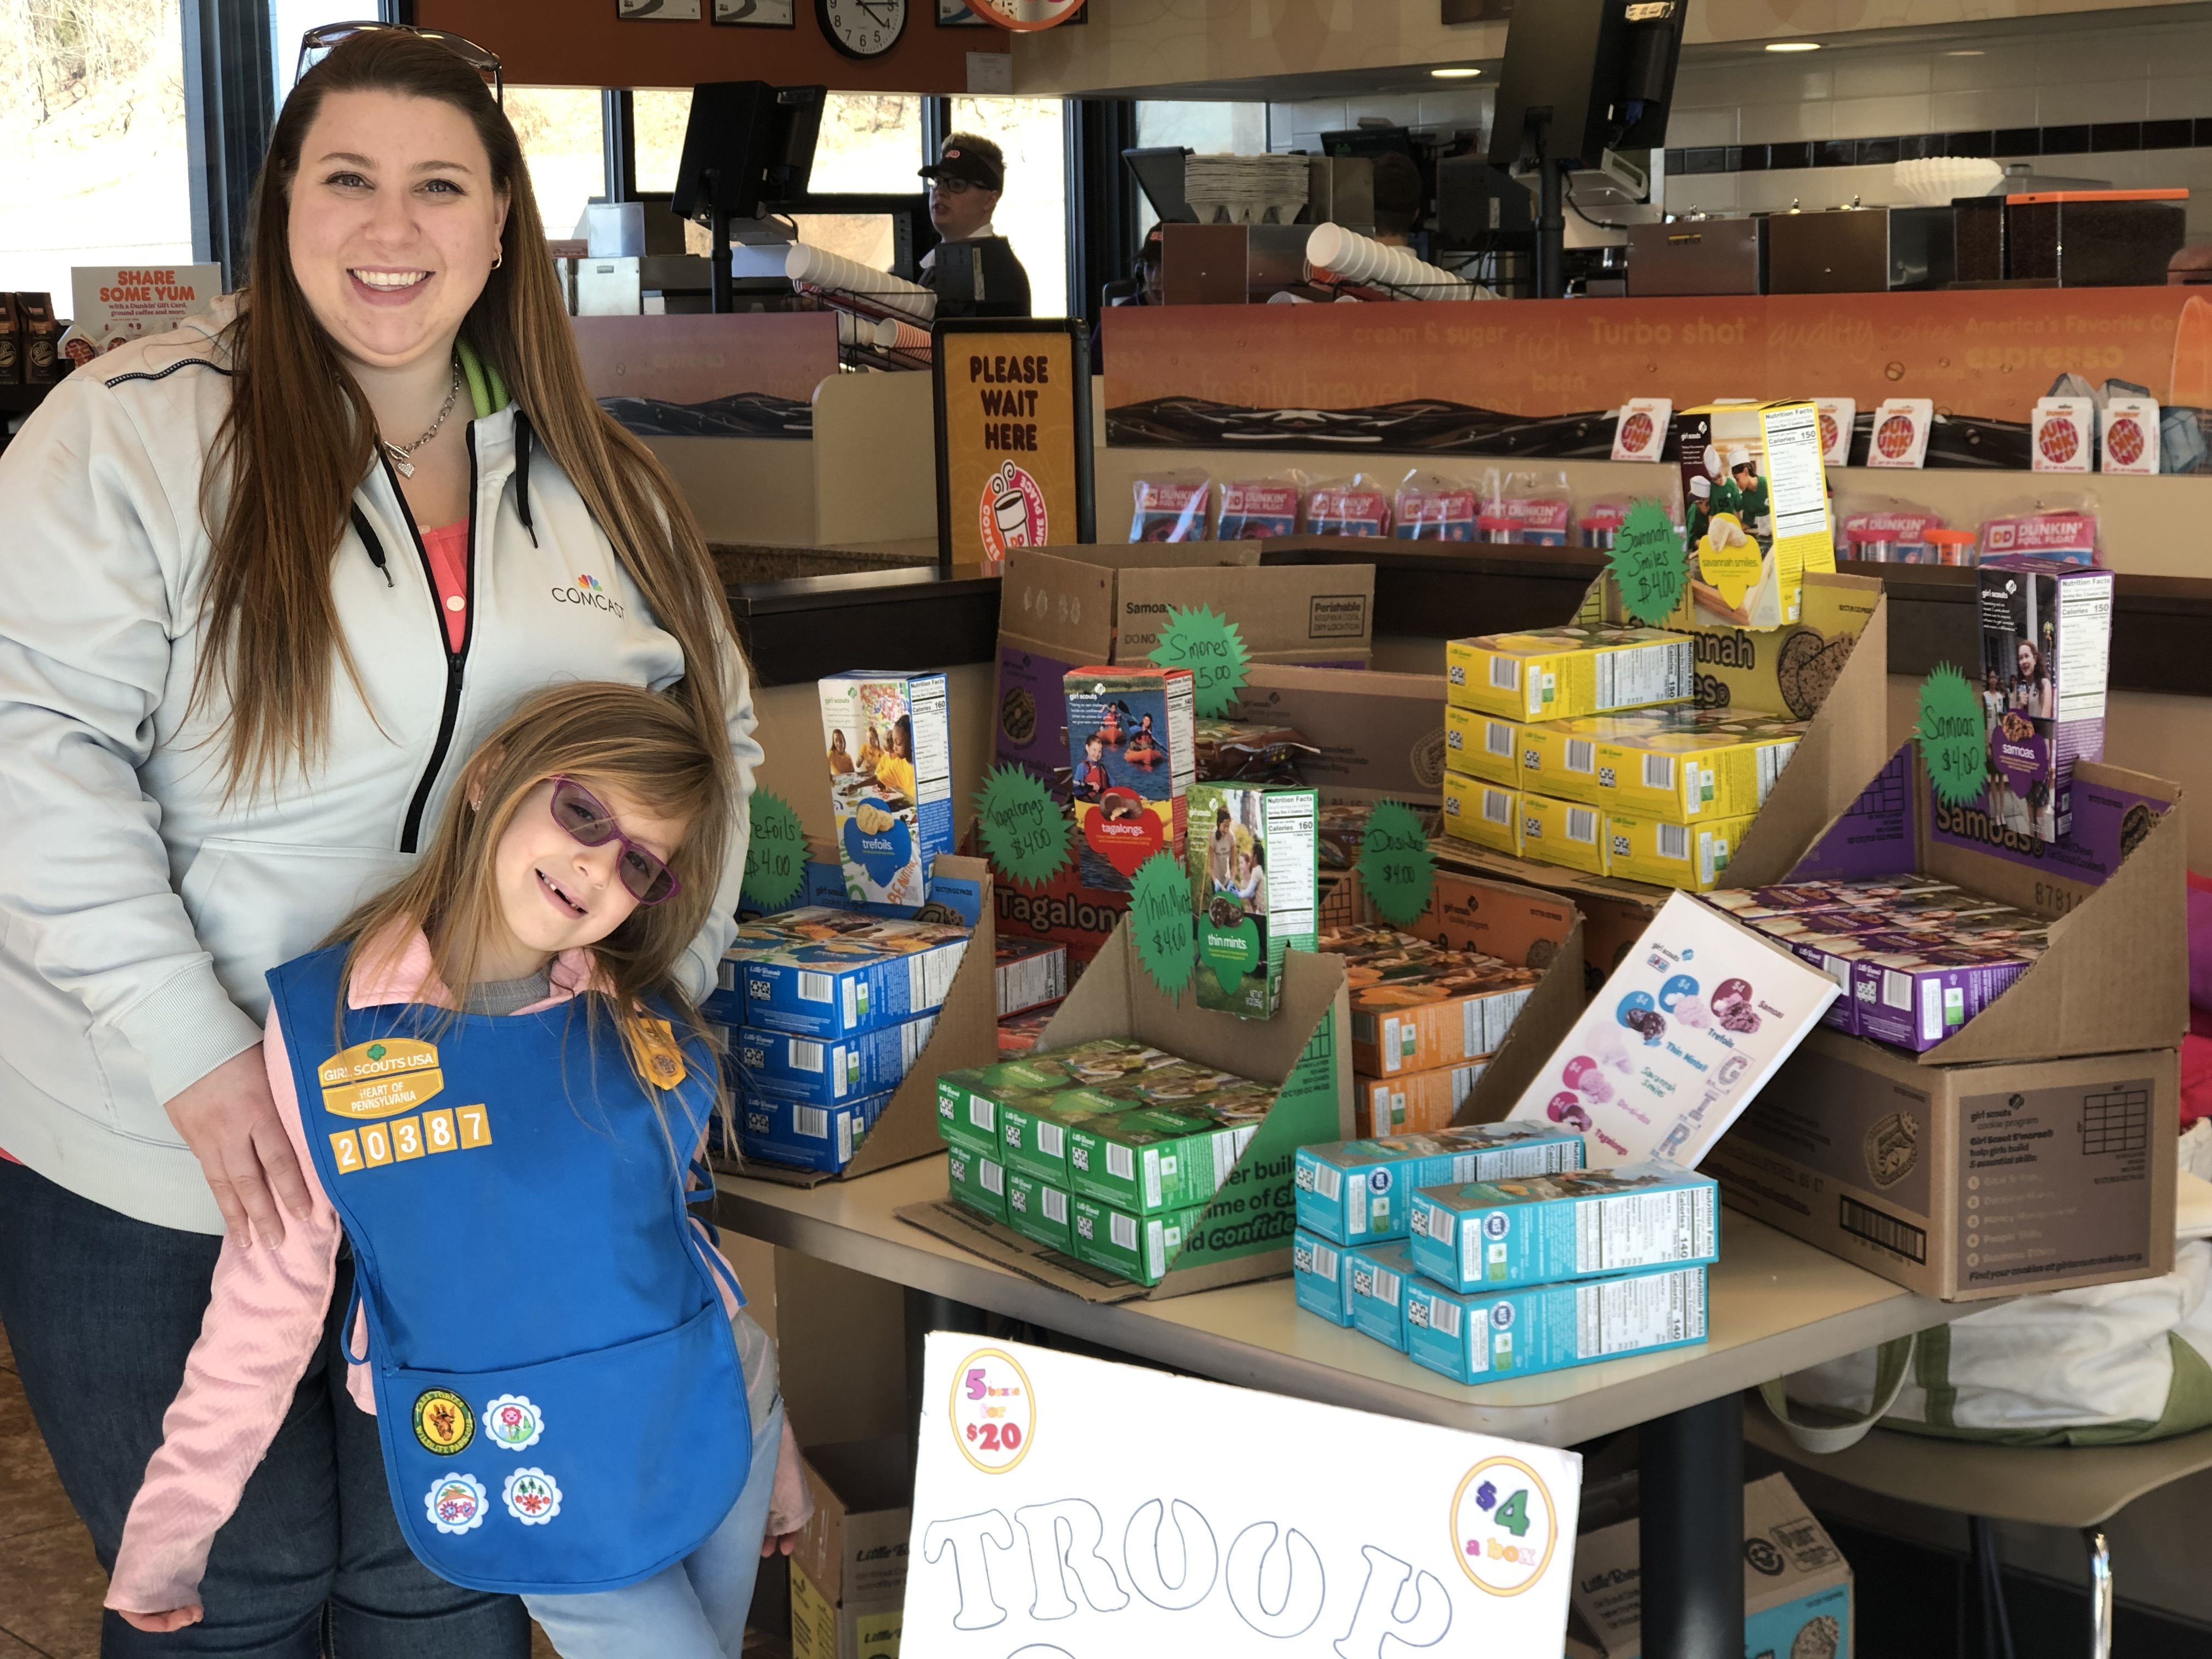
pixel 623 737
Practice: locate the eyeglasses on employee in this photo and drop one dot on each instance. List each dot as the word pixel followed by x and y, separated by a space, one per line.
pixel 317 43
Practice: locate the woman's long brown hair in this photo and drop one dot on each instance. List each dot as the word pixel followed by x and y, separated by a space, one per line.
pixel 300 439
pixel 641 743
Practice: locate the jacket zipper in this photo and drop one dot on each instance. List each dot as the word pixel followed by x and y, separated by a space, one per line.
pixel 410 832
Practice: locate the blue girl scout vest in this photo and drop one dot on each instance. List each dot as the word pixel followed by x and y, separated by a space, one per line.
pixel 557 1388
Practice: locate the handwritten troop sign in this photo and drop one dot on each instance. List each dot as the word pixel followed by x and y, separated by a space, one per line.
pixel 1044 1529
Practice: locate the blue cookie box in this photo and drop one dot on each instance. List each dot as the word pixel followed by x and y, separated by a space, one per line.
pixel 1486 1336
pixel 1489 1237
pixel 777 1065
pixel 832 990
pixel 1380 1275
pixel 783 1131
pixel 1321 1275
pixel 1357 1191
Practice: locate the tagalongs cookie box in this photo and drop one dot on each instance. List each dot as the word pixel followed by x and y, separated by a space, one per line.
pixel 1130 740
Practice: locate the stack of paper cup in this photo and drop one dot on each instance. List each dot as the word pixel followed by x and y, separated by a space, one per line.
pixel 1352 257
pixel 834 273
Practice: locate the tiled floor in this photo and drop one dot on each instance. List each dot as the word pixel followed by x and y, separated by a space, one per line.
pixel 50 1583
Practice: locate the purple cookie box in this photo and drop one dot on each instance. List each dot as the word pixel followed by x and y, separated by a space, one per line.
pixel 1939 999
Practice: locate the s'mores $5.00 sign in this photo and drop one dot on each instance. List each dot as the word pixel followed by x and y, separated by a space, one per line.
pixel 1068 1509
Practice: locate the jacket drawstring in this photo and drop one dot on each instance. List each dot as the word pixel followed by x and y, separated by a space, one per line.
pixel 369 540
pixel 522 474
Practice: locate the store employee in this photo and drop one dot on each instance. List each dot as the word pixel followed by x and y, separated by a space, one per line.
pixel 965 182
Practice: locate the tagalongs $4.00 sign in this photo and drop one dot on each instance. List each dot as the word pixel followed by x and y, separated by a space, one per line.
pixel 1037 1535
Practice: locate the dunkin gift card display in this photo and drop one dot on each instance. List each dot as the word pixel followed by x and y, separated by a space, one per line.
pixel 1254 883
pixel 1130 739
pixel 1684 1032
pixel 891 781
pixel 2129 427
pixel 2046 650
pixel 2064 435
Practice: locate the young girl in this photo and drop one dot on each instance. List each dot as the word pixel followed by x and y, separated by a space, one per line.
pixel 895 769
pixel 497 1096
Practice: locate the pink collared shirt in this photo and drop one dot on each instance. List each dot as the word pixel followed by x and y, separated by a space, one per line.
pixel 265 1313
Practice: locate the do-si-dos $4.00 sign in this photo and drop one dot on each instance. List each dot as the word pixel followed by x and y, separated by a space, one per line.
pixel 1042 1531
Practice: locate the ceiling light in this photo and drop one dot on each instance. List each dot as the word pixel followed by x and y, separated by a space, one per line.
pixel 1455 74
pixel 1975 52
pixel 1793 45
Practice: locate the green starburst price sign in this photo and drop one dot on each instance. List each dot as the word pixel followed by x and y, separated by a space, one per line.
pixel 1648 564
pixel 1953 744
pixel 1161 924
pixel 1206 643
pixel 775 855
pixel 1396 869
pixel 1026 835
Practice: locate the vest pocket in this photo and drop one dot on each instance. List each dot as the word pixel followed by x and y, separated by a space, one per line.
pixel 584 1473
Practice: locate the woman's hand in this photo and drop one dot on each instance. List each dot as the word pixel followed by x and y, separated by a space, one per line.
pixel 229 1118
pixel 159 1623
pixel 790 1505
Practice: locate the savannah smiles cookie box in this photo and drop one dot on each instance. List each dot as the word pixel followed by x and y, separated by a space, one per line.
pixel 890 750
pixel 1254 883
pixel 1130 735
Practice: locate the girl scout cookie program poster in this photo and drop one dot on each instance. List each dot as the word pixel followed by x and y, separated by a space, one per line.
pixel 1068 1509
pixel 1688 1029
pixel 1014 438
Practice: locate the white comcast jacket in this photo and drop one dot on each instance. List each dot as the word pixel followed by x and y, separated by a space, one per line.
pixel 138 912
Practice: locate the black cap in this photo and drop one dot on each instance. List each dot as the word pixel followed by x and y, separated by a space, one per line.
pixel 966 159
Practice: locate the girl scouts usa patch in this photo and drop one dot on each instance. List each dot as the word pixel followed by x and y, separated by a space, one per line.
pixel 512 1422
pixel 443 1421
pixel 456 1502
pixel 531 1497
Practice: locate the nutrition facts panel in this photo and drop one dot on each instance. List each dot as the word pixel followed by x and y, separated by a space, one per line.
pixel 2117 1121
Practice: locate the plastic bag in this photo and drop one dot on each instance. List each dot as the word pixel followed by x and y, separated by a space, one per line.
pixel 1525 507
pixel 2063 528
pixel 1357 506
pixel 1171 507
pixel 1601 521
pixel 1887 531
pixel 1254 509
pixel 1430 507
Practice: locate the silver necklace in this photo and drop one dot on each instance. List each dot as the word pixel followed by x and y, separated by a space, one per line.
pixel 399 453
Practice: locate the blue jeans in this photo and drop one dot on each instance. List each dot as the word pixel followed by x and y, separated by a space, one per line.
pixel 693 1610
pixel 101 1311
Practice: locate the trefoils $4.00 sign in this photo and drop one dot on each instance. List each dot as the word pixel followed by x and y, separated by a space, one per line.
pixel 775 853
pixel 1043 1530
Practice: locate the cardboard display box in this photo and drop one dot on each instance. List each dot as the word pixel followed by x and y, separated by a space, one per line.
pixel 1964 1182
pixel 1516 924
pixel 1068 606
pixel 966 1034
pixel 1797 1591
pixel 1381 736
pixel 1244 1231
pixel 849 1571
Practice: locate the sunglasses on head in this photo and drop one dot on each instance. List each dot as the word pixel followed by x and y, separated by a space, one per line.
pixel 317 43
pixel 645 875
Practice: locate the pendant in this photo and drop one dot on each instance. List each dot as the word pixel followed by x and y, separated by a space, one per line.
pixel 406 468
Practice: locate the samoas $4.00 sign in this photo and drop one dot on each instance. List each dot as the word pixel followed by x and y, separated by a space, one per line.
pixel 1953 742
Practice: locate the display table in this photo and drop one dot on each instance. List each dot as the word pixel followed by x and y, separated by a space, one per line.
pixel 1775 1306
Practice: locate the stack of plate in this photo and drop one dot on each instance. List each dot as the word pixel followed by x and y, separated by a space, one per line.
pixel 1245 190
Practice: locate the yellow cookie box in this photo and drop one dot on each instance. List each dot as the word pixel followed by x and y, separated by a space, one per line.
pixel 1482 812
pixel 1488 747
pixel 1563 832
pixel 1557 673
pixel 1689 856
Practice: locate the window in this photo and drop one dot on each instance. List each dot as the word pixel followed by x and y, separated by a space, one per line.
pixel 1202 128
pixel 658 117
pixel 870 144
pixel 561 136
pixel 290 19
pixel 91 142
pixel 1032 215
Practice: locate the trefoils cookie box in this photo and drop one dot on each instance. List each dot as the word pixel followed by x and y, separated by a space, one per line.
pixel 890 747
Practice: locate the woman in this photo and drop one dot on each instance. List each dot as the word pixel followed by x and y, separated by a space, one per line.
pixel 296 570
pixel 2031 690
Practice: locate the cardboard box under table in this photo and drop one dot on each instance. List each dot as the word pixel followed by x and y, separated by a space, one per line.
pixel 2034 1149
pixel 966 1034
pixel 1066 606
pixel 848 1572
pixel 1243 1231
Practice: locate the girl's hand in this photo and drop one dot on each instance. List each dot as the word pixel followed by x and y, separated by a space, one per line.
pixel 229 1119
pixel 790 1505
pixel 161 1623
